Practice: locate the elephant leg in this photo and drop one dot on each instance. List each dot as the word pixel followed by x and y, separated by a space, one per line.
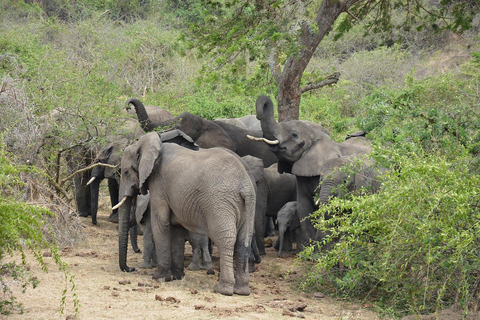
pixel 305 207
pixel 149 254
pixel 260 215
pixel 242 254
pixel 269 227
pixel 161 235
pixel 206 263
pixel 178 235
pixel 195 241
pixel 113 191
pixel 82 194
pixel 225 246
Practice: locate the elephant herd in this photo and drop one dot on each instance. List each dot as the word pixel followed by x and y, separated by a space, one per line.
pixel 222 180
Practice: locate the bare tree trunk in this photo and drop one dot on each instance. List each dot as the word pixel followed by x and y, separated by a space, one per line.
pixel 289 81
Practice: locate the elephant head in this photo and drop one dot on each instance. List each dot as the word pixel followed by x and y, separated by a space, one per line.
pixel 111 156
pixel 301 146
pixel 346 175
pixel 205 133
pixel 287 219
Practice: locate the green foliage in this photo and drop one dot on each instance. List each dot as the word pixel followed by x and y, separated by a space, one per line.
pixel 411 247
pixel 22 228
pixel 437 115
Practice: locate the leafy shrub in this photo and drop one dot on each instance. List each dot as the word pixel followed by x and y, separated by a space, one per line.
pixel 438 114
pixel 411 247
pixel 24 227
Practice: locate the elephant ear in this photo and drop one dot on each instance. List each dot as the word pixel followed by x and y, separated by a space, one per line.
pixel 311 162
pixel 213 135
pixel 148 152
pixel 142 205
pixel 179 137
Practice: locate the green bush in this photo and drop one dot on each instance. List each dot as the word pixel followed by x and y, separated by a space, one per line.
pixel 413 246
pixel 22 229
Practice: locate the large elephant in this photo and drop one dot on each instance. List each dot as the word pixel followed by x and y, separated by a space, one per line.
pixel 111 155
pixel 209 134
pixel 302 148
pixel 205 191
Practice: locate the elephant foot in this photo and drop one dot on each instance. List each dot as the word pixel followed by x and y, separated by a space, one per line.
pixel 178 275
pixel 251 265
pixel 83 214
pixel 226 290
pixel 168 276
pixel 194 267
pixel 241 290
pixel 113 217
pixel 148 265
pixel 206 266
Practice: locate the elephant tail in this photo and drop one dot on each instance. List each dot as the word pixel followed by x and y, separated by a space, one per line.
pixel 246 230
pixel 249 197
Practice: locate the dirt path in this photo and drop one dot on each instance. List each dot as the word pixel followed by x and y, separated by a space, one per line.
pixel 107 293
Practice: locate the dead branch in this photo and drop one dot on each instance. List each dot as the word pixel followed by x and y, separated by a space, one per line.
pixel 88 168
pixel 331 79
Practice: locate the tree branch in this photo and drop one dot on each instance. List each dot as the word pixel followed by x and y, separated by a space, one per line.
pixel 331 79
pixel 98 164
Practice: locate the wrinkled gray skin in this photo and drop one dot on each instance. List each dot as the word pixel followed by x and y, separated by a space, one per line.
pixel 287 220
pixel 209 134
pixel 201 259
pixel 302 148
pixel 189 192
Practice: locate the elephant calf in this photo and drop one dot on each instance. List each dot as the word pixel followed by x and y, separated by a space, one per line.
pixel 207 192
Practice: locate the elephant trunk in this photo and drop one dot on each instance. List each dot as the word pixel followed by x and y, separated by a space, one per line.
pixel 281 237
pixel 266 115
pixel 145 122
pixel 123 228
pixel 326 191
pixel 133 238
pixel 94 191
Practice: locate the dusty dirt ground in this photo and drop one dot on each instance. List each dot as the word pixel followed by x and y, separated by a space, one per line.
pixel 107 293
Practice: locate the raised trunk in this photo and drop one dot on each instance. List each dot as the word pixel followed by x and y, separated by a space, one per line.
pixel 123 226
pixel 266 115
pixel 142 115
pixel 94 190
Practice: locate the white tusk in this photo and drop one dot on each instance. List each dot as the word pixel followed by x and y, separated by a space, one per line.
pixel 118 205
pixel 91 180
pixel 263 139
pixel 317 202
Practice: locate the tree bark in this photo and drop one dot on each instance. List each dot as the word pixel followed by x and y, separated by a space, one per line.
pixel 289 82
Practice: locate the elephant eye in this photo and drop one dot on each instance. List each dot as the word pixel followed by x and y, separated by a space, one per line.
pixel 294 135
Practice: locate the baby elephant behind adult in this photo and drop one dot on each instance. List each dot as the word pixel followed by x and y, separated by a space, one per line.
pixel 207 191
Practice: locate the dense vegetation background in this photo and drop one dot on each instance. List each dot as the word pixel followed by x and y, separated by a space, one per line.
pixel 412 247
